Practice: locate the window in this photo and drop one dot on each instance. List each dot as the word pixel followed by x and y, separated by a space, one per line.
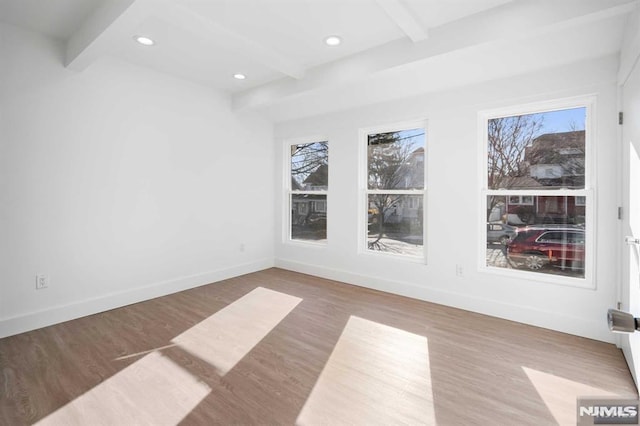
pixel 320 206
pixel 394 193
pixel 521 200
pixel 537 184
pixel 309 176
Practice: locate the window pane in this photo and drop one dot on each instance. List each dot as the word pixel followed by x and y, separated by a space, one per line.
pixel 309 217
pixel 395 224
pixel 547 236
pixel 537 151
pixel 309 167
pixel 395 160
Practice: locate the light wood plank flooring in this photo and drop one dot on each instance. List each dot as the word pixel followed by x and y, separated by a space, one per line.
pixel 336 353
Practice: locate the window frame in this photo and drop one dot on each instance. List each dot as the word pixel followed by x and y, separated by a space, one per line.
pixel 364 191
pixel 588 192
pixel 288 192
pixel 520 200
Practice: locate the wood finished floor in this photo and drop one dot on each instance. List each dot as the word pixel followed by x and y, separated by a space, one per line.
pixel 483 370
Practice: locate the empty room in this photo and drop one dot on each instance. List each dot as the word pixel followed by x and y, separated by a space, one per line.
pixel 318 212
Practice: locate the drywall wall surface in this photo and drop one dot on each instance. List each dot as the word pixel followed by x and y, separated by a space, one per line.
pixel 453 214
pixel 121 184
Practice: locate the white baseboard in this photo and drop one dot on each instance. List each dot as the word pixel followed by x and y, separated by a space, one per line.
pixel 552 320
pixel 557 321
pixel 58 314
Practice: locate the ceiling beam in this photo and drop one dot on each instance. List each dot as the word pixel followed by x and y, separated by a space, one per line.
pixel 403 19
pixel 90 41
pixel 511 21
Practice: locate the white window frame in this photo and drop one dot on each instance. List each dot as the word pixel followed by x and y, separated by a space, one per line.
pixel 317 208
pixel 288 191
pixel 520 202
pixel 589 192
pixel 363 206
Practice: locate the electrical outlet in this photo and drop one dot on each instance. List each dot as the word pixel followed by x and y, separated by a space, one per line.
pixel 42 281
pixel 242 247
pixel 459 271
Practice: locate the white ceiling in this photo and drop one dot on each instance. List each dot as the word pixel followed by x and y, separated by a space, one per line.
pixel 389 46
pixel 53 18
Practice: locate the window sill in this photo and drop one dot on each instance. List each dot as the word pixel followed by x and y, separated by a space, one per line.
pixel 391 256
pixel 303 243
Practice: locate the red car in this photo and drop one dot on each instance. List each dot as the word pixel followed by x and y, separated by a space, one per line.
pixel 537 247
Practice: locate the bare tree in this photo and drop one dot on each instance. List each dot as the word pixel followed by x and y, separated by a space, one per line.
pixel 508 138
pixel 307 159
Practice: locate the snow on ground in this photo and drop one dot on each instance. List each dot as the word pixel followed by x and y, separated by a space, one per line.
pixel 388 245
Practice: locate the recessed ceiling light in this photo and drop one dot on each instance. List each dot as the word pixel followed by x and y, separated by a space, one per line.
pixel 333 40
pixel 239 76
pixel 145 41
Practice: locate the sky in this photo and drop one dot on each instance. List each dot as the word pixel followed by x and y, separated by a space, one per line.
pixel 560 121
pixel 413 136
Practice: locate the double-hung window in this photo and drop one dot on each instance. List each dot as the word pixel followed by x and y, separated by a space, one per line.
pixel 395 191
pixel 308 185
pixel 537 184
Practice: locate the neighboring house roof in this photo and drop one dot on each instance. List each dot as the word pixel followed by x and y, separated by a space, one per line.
pixel 519 182
pixel 319 177
pixel 557 159
pixel 554 148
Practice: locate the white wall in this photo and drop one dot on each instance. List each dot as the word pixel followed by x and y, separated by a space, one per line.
pixel 121 184
pixel 629 79
pixel 453 208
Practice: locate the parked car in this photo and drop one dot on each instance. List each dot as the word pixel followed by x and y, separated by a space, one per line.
pixel 498 232
pixel 537 247
pixel 316 220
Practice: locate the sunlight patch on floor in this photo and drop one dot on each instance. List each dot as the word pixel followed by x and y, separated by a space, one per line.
pixel 560 395
pixel 153 390
pixel 227 336
pixel 376 374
